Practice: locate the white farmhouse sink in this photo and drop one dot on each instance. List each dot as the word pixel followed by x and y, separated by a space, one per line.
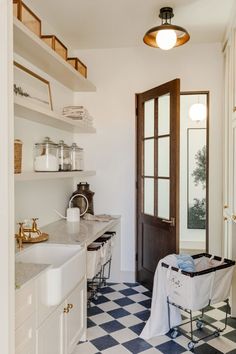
pixel 68 266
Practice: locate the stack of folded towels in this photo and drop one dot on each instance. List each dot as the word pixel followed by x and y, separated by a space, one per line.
pixel 78 113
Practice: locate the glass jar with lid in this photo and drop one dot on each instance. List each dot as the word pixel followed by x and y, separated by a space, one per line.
pixel 46 156
pixel 64 156
pixel 77 158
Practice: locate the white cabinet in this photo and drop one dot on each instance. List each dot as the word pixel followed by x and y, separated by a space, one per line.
pixel 76 317
pixel 50 336
pixel 25 337
pixel 25 320
pixel 62 330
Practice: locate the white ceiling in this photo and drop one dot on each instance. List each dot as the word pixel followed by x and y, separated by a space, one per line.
pixel 122 23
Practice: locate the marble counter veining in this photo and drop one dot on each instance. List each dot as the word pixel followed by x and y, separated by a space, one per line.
pixel 82 233
pixel 25 272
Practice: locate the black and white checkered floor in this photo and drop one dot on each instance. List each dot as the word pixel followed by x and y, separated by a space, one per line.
pixel 116 319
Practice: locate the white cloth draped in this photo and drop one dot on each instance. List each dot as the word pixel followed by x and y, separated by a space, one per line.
pixel 157 323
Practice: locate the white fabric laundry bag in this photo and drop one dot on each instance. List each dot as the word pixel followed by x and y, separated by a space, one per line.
pixel 157 323
pixel 210 283
pixel 94 262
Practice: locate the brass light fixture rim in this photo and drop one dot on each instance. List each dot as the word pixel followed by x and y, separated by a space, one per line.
pixel 150 36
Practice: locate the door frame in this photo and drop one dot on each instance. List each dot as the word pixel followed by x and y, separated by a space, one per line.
pixel 7 249
pixel 207 93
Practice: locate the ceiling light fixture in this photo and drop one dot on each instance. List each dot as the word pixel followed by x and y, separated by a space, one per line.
pixel 198 112
pixel 166 36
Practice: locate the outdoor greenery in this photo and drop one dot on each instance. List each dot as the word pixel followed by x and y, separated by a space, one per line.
pixel 197 212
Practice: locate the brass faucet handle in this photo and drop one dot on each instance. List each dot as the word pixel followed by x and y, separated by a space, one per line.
pixel 20 236
pixel 21 229
pixel 34 225
pixel 20 242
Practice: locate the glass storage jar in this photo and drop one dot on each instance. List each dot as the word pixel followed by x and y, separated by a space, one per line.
pixel 77 157
pixel 46 156
pixel 64 156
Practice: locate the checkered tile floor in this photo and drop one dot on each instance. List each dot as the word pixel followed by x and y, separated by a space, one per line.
pixel 116 319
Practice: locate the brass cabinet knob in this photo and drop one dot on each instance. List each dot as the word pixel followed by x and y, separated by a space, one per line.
pixel 225 218
pixel 70 306
pixel 226 206
pixel 66 310
pixel 234 217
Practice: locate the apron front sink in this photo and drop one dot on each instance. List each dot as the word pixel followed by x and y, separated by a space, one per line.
pixel 68 264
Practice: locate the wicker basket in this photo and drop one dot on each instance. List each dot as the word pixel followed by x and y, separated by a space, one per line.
pixel 17 155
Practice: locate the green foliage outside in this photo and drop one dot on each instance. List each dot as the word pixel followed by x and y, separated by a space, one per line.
pixel 197 212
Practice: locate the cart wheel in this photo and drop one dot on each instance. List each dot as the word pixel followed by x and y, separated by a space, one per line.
pixel 191 345
pixel 174 333
pixel 216 334
pixel 95 297
pixel 199 324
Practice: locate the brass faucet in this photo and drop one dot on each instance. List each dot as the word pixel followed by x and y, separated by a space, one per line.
pixel 33 229
pixel 20 236
pixel 30 235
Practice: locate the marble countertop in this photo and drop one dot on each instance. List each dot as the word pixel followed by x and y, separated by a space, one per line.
pixel 83 233
pixel 25 272
pixel 63 232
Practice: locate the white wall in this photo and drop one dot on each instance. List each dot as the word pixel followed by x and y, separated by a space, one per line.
pixel 118 75
pixel 40 198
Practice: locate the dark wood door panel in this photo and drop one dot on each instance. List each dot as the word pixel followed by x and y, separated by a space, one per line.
pixel 157 236
pixel 155 246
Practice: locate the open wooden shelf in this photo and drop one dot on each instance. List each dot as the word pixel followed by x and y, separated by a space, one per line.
pixel 33 176
pixel 33 49
pixel 28 110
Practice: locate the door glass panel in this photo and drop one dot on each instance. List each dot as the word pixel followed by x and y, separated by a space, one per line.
pixel 164 157
pixel 149 157
pixel 149 196
pixel 164 115
pixel 149 118
pixel 164 198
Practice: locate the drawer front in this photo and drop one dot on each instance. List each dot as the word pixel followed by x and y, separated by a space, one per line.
pixel 25 337
pixel 25 303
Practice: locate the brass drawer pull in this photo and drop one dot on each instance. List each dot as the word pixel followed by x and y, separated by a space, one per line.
pixel 66 310
pixel 70 306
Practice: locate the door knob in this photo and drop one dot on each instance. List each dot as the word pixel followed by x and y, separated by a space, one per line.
pixel 171 222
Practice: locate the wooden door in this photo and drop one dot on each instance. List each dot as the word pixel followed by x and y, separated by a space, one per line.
pixel 157 177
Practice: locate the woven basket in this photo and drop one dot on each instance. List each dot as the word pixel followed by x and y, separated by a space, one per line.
pixel 17 155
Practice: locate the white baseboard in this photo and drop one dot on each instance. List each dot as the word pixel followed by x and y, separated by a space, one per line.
pixel 197 245
pixel 123 277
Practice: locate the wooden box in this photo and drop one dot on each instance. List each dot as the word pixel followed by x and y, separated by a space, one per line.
pixel 27 17
pixel 17 155
pixel 78 65
pixel 53 42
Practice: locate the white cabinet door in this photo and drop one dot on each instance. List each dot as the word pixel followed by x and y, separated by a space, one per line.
pixel 76 317
pixel 51 335
pixel 25 337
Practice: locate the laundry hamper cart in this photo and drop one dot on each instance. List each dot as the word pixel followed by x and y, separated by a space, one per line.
pixel 108 240
pixel 95 256
pixel 194 291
